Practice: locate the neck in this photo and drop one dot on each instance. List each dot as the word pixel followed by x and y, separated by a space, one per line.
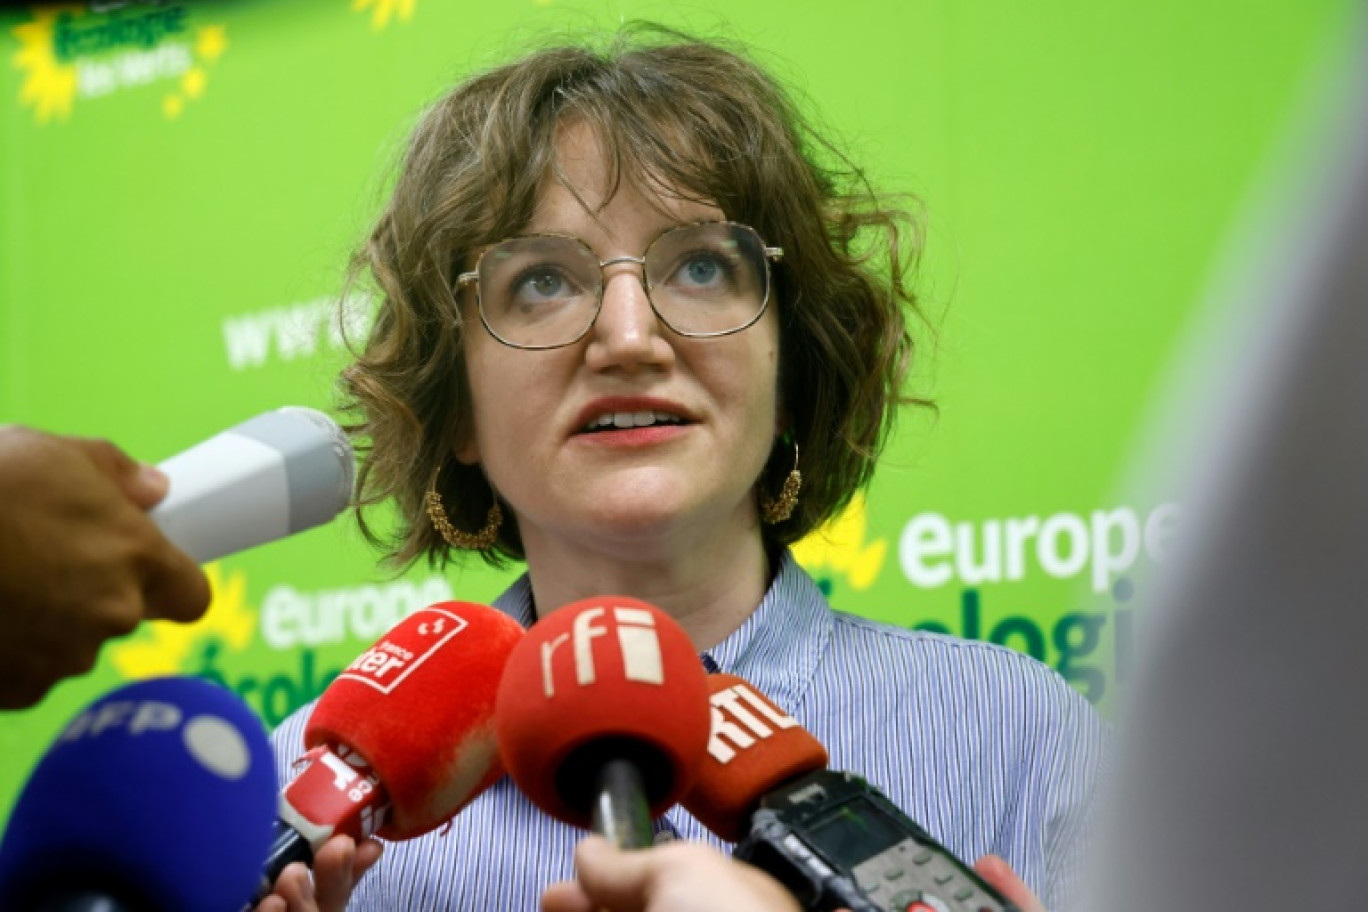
pixel 710 585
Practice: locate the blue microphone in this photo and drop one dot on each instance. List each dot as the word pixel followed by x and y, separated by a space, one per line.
pixel 159 796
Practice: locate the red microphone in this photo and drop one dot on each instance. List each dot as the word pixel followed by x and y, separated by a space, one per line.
pixel 403 739
pixel 603 715
pixel 755 747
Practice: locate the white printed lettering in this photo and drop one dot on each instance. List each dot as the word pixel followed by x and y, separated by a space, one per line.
pixel 584 634
pixel 154 716
pixel 344 774
pixel 780 719
pixel 1048 551
pixel 927 536
pixel 548 649
pixel 1018 532
pixel 989 569
pixel 724 730
pixel 1106 561
pixel 641 659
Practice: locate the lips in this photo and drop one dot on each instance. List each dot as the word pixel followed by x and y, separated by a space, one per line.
pixel 625 414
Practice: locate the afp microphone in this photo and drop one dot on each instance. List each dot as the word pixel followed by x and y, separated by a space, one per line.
pixel 158 797
pixel 271 476
pixel 831 838
pixel 403 739
pixel 603 716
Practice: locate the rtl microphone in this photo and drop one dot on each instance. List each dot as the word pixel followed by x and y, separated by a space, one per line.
pixel 831 838
pixel 271 476
pixel 603 716
pixel 158 797
pixel 403 738
pixel 754 747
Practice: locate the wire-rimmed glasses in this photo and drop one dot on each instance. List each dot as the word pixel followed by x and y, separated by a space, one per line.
pixel 544 291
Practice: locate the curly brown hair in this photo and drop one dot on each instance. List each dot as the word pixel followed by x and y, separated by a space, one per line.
pixel 671 112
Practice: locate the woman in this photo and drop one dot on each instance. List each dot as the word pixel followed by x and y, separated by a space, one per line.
pixel 643 328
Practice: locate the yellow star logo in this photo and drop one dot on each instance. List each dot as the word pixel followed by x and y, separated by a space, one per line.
pixel 383 10
pixel 211 42
pixel 48 86
pixel 162 647
pixel 192 83
pixel 839 546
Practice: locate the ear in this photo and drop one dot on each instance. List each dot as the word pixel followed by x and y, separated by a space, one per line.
pixel 468 452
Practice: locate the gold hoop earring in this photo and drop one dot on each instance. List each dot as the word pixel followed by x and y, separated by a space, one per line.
pixel 482 540
pixel 780 508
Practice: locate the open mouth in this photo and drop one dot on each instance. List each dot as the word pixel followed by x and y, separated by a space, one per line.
pixel 626 421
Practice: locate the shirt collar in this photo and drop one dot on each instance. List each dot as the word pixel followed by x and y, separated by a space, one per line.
pixel 776 649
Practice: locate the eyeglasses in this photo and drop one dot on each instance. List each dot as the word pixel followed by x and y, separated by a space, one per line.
pixel 544 291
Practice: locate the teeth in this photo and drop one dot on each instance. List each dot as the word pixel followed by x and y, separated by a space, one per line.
pixel 624 420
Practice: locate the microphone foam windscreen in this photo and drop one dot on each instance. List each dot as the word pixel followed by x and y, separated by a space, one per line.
pixel 755 747
pixel 161 794
pixel 604 678
pixel 419 707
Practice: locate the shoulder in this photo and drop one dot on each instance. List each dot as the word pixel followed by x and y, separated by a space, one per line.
pixel 967 675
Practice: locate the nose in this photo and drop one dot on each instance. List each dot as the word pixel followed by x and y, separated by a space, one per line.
pixel 627 335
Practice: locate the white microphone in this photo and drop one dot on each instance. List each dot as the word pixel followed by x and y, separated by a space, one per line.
pixel 271 476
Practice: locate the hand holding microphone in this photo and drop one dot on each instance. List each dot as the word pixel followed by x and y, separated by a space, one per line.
pixel 80 561
pixel 402 740
pixel 676 877
pixel 83 560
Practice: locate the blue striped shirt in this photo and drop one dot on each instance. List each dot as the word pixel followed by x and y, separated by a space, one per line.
pixel 989 750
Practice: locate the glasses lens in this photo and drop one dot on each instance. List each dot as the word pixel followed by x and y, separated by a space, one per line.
pixel 708 279
pixel 538 291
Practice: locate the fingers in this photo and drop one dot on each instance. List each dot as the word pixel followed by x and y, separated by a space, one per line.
pixel 1000 875
pixel 566 896
pixel 143 484
pixel 367 854
pixel 174 586
pixel 294 892
pixel 337 868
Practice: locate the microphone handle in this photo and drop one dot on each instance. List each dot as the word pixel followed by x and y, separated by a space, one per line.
pixel 287 846
pixel 620 812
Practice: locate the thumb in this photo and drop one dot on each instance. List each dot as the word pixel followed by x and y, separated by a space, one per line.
pixel 611 877
pixel 1000 875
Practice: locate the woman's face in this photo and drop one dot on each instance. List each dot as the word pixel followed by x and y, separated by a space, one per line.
pixel 678 483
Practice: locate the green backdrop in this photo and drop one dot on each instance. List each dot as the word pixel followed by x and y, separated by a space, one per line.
pixel 182 184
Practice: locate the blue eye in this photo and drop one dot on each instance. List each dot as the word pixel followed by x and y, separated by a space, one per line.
pixel 540 283
pixel 702 271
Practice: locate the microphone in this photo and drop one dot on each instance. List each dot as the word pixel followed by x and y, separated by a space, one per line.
pixel 832 839
pixel 754 748
pixel 158 796
pixel 403 738
pixel 271 476
pixel 602 716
